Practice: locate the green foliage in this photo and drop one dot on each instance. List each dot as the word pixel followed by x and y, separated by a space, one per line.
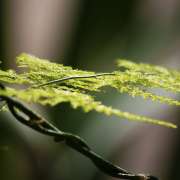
pixel 135 80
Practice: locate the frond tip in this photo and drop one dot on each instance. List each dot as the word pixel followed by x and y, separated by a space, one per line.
pixel 49 83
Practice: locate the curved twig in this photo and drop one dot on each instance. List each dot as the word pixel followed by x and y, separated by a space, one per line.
pixel 72 77
pixel 36 122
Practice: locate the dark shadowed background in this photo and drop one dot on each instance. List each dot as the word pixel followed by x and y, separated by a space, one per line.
pixel 91 35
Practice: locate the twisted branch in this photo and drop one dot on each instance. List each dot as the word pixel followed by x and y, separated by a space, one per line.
pixel 38 123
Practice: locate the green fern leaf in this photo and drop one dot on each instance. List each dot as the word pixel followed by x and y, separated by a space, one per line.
pixel 42 85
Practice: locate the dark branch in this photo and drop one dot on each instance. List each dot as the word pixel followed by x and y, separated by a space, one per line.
pixel 36 122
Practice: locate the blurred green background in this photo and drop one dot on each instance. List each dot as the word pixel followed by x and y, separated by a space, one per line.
pixel 91 35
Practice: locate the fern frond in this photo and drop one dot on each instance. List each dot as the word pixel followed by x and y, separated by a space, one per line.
pixel 10 76
pixel 53 96
pixel 152 76
pixel 137 91
pixel 51 84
